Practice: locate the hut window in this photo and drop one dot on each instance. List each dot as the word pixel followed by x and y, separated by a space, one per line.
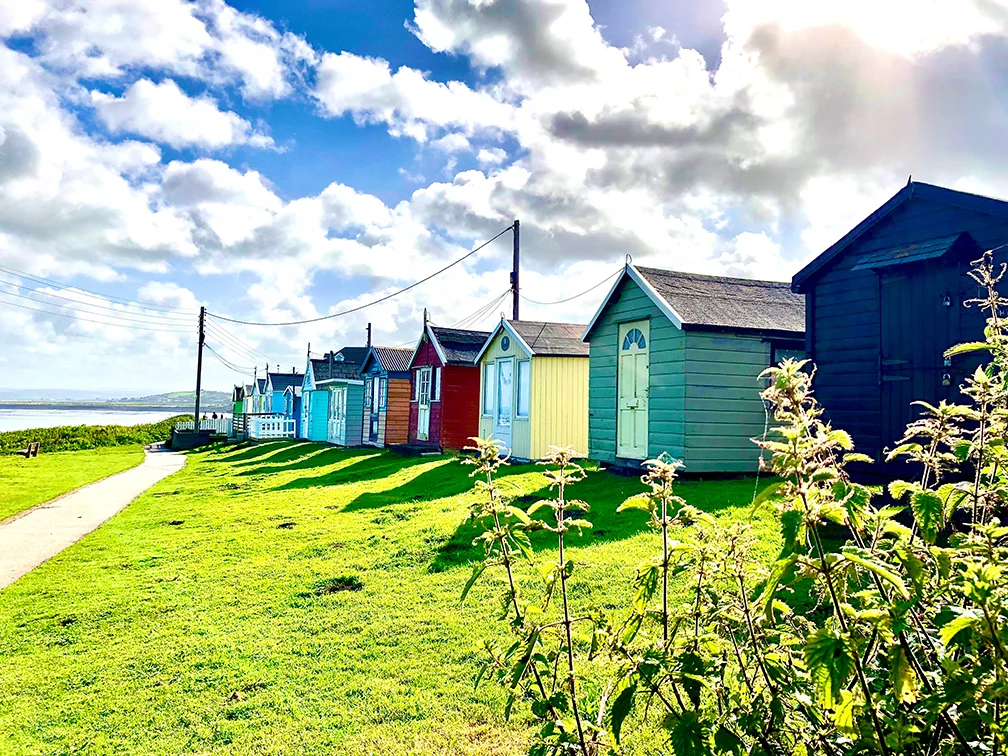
pixel 416 385
pixel 523 388
pixel 488 388
pixel 436 388
pixel 382 402
pixel 634 336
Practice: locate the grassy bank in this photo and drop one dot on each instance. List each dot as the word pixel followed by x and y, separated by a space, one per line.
pixel 76 437
pixel 289 598
pixel 25 483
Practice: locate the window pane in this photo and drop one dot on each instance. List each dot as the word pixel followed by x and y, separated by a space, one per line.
pixel 436 389
pixel 489 376
pixel 523 388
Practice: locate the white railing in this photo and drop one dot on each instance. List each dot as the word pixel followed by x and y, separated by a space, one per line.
pixel 220 425
pixel 272 425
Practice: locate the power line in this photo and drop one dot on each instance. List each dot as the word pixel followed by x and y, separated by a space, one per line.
pixel 376 301
pixel 99 322
pixel 104 312
pixel 121 300
pixel 576 296
pixel 239 345
pixel 481 313
pixel 226 363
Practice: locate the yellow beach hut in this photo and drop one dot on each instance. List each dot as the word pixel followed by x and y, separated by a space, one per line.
pixel 534 387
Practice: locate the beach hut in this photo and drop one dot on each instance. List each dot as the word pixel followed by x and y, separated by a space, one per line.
pixel 260 398
pixel 885 302
pixel 444 388
pixel 331 393
pixel 386 396
pixel 534 387
pixel 673 365
pixel 277 385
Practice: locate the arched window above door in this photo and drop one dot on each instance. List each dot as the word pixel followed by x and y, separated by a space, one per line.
pixel 634 336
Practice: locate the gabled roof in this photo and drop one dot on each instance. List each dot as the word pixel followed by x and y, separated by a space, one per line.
pixel 965 200
pixel 281 381
pixel 353 354
pixel 391 359
pixel 454 346
pixel 261 385
pixel 542 339
pixel 327 369
pixel 694 301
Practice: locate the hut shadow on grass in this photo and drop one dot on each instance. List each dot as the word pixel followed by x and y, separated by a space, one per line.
pixel 306 456
pixel 249 450
pixel 368 464
pixel 286 451
pixel 447 478
pixel 603 492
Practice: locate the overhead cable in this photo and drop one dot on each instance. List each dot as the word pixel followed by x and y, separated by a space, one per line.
pixel 576 296
pixel 368 304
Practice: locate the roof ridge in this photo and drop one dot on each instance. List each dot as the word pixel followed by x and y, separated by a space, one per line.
pixel 711 277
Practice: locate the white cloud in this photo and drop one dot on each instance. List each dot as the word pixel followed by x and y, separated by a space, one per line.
pixel 492 156
pixel 166 114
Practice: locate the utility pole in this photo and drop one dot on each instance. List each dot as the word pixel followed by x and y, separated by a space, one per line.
pixel 199 367
pixel 514 271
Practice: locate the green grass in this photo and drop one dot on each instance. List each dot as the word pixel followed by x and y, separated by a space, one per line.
pixel 26 483
pixel 287 598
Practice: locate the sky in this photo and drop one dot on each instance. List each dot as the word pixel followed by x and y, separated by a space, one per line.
pixel 277 162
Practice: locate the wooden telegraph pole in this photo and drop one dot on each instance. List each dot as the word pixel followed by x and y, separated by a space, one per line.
pixel 199 367
pixel 514 272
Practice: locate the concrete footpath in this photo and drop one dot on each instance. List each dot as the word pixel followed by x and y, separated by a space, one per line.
pixel 42 532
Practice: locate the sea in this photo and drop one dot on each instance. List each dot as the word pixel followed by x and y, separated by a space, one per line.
pixel 22 419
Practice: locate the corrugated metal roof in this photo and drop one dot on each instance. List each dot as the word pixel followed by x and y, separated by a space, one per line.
pixel 552 339
pixel 722 302
pixel 394 359
pixel 460 347
pixel 908 253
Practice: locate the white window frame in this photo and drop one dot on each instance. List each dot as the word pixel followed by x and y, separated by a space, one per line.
pixel 527 394
pixel 489 390
pixel 436 385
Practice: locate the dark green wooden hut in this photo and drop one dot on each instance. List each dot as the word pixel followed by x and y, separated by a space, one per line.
pixel 673 366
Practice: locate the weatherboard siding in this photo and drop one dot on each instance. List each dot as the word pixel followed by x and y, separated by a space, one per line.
pixel 558 411
pixel 723 409
pixel 397 411
pixel 521 429
pixel 666 396
pixel 355 408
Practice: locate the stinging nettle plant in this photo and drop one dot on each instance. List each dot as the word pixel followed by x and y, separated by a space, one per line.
pixel 881 628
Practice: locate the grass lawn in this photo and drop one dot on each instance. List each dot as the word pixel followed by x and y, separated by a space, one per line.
pixel 205 618
pixel 25 483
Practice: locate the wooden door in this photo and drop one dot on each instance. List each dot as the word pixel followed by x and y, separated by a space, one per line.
pixel 337 415
pixel 504 411
pixel 373 404
pixel 920 308
pixel 423 403
pixel 633 371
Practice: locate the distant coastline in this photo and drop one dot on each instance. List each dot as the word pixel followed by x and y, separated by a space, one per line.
pixel 110 407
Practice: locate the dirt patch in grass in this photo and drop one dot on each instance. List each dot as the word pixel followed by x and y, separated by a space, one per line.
pixel 286 525
pixel 342 584
pixel 176 522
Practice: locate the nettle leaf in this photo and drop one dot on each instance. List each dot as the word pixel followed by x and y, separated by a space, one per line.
pixel 904 679
pixel 884 570
pixel 843 715
pixel 967 347
pixel 928 509
pixel 726 741
pixel 647 586
pixel 767 494
pixel 521 540
pixel 621 707
pixel 791 523
pixel 829 657
pixel 519 515
pixel 693 668
pixel 899 488
pixel 842 439
pixel 477 571
pixel 688 735
pixel 780 568
pixel 966 620
pixel 638 501
pixel 912 564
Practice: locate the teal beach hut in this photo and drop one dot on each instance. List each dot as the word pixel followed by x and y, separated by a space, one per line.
pixel 673 366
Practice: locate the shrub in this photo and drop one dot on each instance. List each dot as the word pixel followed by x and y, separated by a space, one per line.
pixel 76 437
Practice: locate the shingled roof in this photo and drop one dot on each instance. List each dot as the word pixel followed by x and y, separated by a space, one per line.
pixel 393 359
pixel 282 381
pixel 697 301
pixel 331 367
pixel 545 339
pixel 459 347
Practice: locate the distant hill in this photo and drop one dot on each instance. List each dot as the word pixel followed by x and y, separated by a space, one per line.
pixel 211 400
